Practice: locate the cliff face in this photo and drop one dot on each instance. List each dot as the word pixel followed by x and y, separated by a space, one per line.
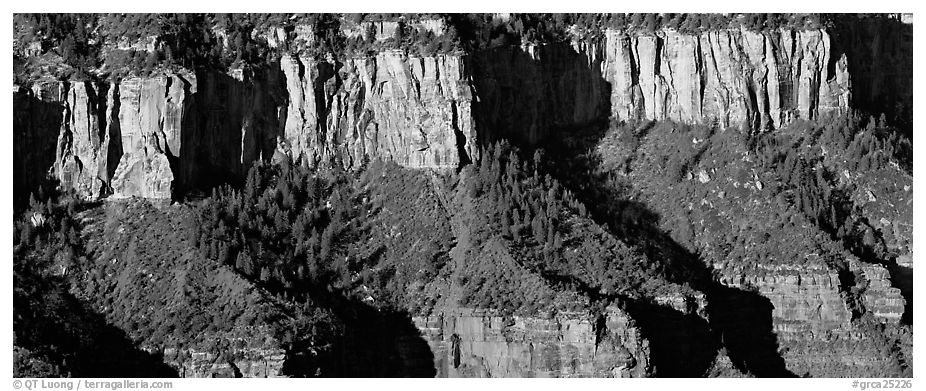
pixel 416 111
pixel 812 317
pixel 474 343
pixel 731 77
pixel 149 136
pixel 525 92
pixel 37 118
pixel 428 111
pixel 114 138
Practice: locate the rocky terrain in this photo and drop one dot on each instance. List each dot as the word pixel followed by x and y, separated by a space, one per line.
pixel 724 279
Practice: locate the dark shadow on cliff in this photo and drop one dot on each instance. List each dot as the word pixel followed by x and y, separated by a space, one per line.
pixel 36 124
pixel 114 126
pixel 739 320
pixel 531 102
pixel 879 54
pixel 376 342
pixel 902 278
pixel 227 125
pixel 525 97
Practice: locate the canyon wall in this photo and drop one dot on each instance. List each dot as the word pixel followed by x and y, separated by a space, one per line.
pixel 525 92
pixel 143 136
pixel 812 316
pixel 475 343
pixel 729 77
pixel 733 78
pixel 37 119
pixel 414 110
pixel 152 136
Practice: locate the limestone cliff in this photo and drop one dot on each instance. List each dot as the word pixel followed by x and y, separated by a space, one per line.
pixel 475 343
pixel 414 110
pixel 731 77
pixel 735 78
pixel 431 111
pixel 144 136
pixel 812 314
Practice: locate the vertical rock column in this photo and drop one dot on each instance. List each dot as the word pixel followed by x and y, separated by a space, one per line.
pixel 150 117
pixel 81 161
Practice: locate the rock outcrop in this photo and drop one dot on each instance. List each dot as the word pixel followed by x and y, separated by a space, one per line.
pixel 730 77
pixel 416 111
pixel 255 357
pixel 883 300
pixel 810 315
pixel 476 343
pixel 82 160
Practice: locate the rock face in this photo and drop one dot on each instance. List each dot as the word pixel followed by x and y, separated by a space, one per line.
pixel 150 126
pixel 431 111
pixel 145 137
pixel 82 160
pixel 475 343
pixel 416 111
pixel 810 315
pixel 731 77
pixel 264 360
pixel 37 119
pixel 526 91
pixel 884 301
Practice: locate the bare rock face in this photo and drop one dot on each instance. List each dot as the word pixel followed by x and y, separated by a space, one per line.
pixel 476 343
pixel 256 356
pixel 416 111
pixel 884 301
pixel 83 143
pixel 427 112
pixel 174 127
pixel 151 113
pixel 731 77
pixel 150 122
pixel 734 78
pixel 143 174
pixel 810 315
pixel 805 298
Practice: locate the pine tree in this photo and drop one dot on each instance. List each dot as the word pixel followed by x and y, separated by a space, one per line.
pixel 537 227
pixel 243 263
